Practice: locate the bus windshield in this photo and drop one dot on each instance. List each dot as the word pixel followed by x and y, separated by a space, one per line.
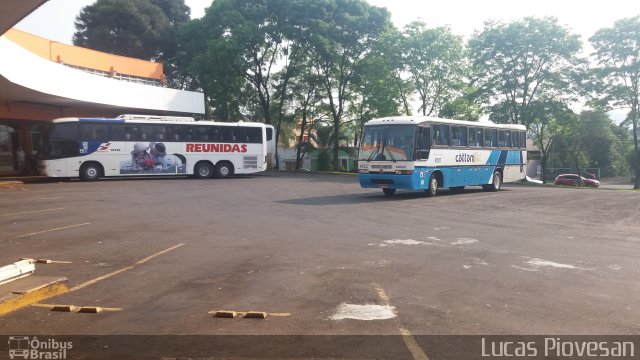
pixel 387 142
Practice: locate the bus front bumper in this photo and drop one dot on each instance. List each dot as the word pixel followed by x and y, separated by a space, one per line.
pixel 416 181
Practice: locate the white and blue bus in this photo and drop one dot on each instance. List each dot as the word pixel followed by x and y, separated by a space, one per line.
pixel 134 145
pixel 427 153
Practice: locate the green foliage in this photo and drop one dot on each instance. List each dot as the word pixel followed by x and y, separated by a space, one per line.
pixel 144 29
pixel 435 60
pixel 617 52
pixel 460 109
pixel 135 28
pixel 342 35
pixel 517 63
pixel 324 160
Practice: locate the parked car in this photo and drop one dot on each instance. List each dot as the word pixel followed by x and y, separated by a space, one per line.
pixel 572 179
pixel 588 175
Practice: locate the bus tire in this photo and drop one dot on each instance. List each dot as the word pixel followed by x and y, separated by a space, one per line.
pixel 203 170
pixel 90 171
pixel 496 184
pixel 433 186
pixel 388 191
pixel 223 169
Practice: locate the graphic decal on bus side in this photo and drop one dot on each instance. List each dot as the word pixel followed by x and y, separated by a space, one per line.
pixel 153 159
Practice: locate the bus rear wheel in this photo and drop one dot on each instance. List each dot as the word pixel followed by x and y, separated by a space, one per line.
pixel 433 186
pixel 90 172
pixel 388 191
pixel 496 184
pixel 203 170
pixel 223 170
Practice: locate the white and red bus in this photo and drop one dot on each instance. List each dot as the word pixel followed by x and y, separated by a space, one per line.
pixel 134 145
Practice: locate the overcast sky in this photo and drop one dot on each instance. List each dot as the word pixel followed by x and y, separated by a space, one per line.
pixel 54 20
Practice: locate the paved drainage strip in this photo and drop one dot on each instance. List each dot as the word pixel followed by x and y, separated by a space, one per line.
pixel 229 314
pixel 76 309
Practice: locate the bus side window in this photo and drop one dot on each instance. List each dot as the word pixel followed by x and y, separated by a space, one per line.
pixel 254 135
pixel 490 138
pixel 202 133
pixel 441 135
pixel 515 140
pixel 159 132
pixel 187 132
pixel 269 134
pixel 523 139
pixel 463 136
pixel 227 134
pixel 216 134
pixel 146 132
pixel 239 135
pixel 455 136
pixel 132 133
pixel 479 137
pixel 473 137
pixel 117 132
pixel 502 141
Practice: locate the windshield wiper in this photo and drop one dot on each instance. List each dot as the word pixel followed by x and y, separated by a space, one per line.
pixel 376 151
pixel 390 154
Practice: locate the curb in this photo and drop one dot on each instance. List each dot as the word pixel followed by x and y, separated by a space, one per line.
pixel 11 184
pixel 26 291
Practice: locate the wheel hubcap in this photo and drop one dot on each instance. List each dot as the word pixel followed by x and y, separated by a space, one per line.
pixel 224 171
pixel 92 172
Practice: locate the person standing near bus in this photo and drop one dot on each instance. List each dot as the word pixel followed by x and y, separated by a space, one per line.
pixel 20 157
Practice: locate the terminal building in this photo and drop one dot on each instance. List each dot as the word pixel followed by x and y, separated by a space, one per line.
pixel 41 80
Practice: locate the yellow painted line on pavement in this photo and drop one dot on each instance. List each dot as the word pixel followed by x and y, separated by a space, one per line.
pixel 410 342
pixel 31 212
pixel 111 274
pixel 50 230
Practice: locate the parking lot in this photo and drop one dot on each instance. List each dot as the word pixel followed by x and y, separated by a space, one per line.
pixel 321 256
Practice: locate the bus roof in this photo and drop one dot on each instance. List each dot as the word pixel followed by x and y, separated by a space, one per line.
pixel 414 120
pixel 164 122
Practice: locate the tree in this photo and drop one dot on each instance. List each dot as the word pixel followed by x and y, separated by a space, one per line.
pixel 515 64
pixel 550 121
pixel 144 29
pixel 344 32
pixel 372 95
pixel 461 108
pixel 435 60
pixel 617 52
pixel 255 46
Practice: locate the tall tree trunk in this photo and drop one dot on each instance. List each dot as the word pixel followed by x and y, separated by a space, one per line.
pixel 543 165
pixel 634 120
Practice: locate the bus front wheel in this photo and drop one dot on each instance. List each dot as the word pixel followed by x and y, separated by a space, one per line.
pixel 203 171
pixel 223 170
pixel 433 186
pixel 90 172
pixel 496 184
pixel 388 191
